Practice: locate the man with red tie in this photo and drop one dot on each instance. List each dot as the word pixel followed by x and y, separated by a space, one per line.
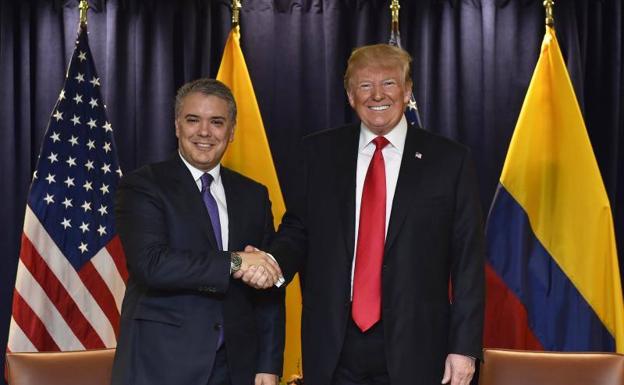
pixel 386 231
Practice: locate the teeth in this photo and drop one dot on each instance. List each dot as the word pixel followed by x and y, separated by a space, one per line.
pixel 204 145
pixel 379 108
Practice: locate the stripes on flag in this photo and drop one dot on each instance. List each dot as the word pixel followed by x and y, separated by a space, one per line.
pixel 71 272
pixel 553 276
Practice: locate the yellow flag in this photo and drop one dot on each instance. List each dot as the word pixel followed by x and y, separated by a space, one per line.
pixel 250 155
pixel 552 237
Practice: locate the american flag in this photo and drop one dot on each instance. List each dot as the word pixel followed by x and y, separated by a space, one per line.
pixel 71 272
pixel 411 113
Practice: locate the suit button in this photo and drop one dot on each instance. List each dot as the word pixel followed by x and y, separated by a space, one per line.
pixel 384 266
pixel 217 326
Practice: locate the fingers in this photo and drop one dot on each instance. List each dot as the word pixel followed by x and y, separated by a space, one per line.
pixel 459 369
pixel 266 379
pixel 447 372
pixel 259 258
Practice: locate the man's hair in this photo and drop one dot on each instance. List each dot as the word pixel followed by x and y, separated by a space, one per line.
pixel 380 55
pixel 206 87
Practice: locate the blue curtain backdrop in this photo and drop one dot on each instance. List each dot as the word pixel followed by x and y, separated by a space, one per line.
pixel 472 63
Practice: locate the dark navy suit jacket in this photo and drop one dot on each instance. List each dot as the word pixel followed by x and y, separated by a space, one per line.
pixel 180 292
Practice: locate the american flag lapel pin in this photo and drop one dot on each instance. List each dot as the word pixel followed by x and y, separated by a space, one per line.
pixel 418 155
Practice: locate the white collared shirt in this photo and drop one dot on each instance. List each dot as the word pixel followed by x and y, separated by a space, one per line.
pixel 392 153
pixel 218 192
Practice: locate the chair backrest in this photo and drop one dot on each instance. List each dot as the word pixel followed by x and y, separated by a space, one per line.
pixel 521 367
pixel 87 367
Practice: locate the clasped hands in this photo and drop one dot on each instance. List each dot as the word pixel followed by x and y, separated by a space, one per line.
pixel 258 269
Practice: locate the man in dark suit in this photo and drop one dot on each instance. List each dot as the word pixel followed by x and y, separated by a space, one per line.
pixel 387 234
pixel 186 319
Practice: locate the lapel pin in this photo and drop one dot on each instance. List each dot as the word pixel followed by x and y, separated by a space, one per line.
pixel 418 155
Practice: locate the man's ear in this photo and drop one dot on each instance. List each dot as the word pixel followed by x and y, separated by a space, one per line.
pixel 177 129
pixel 232 130
pixel 350 96
pixel 408 92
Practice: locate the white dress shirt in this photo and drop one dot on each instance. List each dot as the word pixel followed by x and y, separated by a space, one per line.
pixel 392 153
pixel 218 192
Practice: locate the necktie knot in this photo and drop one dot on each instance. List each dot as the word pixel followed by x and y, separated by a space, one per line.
pixel 380 142
pixel 206 180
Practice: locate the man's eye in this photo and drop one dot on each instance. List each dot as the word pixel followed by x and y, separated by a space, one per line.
pixel 216 122
pixel 365 86
pixel 192 120
pixel 389 83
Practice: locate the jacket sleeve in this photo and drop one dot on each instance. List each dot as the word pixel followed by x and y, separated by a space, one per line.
pixel 144 226
pixel 270 313
pixel 467 266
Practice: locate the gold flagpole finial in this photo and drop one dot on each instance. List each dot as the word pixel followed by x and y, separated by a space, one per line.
pixel 394 7
pixel 83 6
pixel 550 20
pixel 236 6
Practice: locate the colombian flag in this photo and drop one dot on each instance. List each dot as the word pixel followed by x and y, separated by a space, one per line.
pixel 553 276
pixel 250 155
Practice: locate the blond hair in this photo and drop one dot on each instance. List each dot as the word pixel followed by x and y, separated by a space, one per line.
pixel 381 55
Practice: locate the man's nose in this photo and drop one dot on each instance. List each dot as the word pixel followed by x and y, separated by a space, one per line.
pixel 377 93
pixel 205 129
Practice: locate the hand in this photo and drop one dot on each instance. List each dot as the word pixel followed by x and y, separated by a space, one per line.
pixel 266 379
pixel 257 270
pixel 458 369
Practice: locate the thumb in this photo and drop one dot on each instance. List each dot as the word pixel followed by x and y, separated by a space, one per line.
pixel 446 378
pixel 250 248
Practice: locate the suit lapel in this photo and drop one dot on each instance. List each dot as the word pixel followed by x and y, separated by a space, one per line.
pixel 184 179
pixel 346 166
pixel 407 183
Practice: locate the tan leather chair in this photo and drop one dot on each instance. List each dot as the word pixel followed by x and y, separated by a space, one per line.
pixel 521 367
pixel 87 367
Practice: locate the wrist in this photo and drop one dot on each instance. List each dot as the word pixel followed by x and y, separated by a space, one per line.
pixel 235 262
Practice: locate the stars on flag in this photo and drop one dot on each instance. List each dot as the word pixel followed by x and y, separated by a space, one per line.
pixel 75 119
pixel 78 168
pixel 53 157
pixel 67 203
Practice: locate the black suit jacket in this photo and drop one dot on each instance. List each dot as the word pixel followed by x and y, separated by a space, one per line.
pixel 434 236
pixel 180 291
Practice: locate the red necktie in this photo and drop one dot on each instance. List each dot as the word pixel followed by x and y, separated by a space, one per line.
pixel 366 309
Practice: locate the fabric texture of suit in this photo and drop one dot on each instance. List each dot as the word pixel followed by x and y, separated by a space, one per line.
pixel 180 291
pixel 435 236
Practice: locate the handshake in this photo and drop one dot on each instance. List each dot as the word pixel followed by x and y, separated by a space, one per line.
pixel 258 269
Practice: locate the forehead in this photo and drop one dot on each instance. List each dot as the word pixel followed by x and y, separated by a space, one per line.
pixel 377 72
pixel 197 103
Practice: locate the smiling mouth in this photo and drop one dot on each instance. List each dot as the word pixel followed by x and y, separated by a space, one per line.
pixel 379 108
pixel 204 146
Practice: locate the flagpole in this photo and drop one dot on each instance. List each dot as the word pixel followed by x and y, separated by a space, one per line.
pixel 550 19
pixel 394 8
pixel 83 6
pixel 236 7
